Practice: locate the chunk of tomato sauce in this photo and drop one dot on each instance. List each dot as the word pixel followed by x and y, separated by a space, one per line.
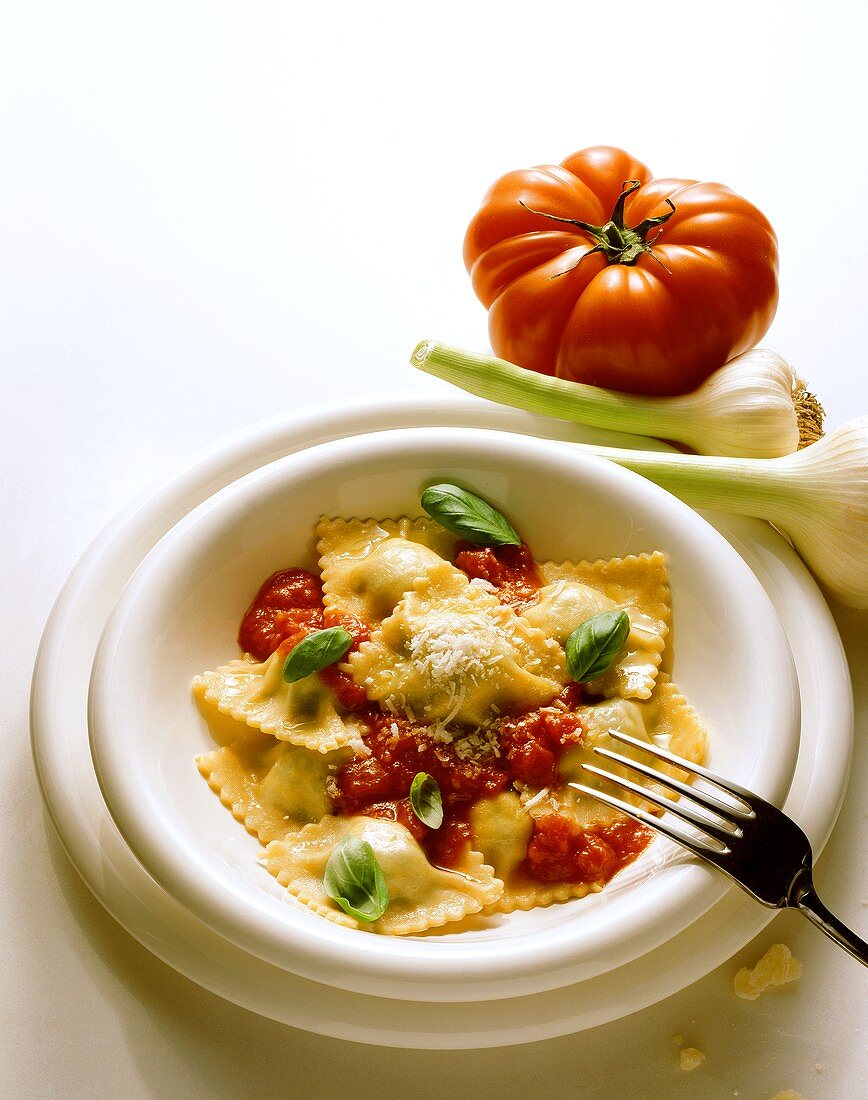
pixel 561 851
pixel 511 569
pixel 348 693
pixel 378 785
pixel 288 605
pixel 532 743
pixel 284 611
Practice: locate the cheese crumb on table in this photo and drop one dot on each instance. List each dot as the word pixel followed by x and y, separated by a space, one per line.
pixel 788 1094
pixel 690 1058
pixel 776 967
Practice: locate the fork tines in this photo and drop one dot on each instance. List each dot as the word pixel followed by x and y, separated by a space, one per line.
pixel 715 823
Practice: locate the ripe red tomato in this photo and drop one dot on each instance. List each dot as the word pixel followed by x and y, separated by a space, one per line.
pixel 594 271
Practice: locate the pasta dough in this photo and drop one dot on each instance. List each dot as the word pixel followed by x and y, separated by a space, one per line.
pixel 637 585
pixel 271 787
pixel 368 565
pixel 667 719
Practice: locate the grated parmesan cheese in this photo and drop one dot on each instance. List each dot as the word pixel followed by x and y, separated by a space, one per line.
pixel 538 797
pixel 453 646
pixel 481 582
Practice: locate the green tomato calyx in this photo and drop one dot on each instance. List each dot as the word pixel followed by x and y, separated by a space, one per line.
pixel 619 243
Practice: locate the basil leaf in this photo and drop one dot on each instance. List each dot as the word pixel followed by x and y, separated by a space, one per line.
pixel 354 879
pixel 468 516
pixel 316 651
pixel 426 800
pixel 594 646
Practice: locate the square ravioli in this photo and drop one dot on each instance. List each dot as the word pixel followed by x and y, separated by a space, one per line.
pixel 421 896
pixel 638 585
pixel 451 652
pixel 368 565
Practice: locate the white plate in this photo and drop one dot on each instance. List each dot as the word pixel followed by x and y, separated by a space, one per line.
pixel 179 614
pixel 69 785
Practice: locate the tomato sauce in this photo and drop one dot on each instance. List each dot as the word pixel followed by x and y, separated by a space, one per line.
pixel 532 742
pixel 561 851
pixel 285 610
pixel 348 693
pixel 511 569
pixel 288 605
pixel 381 782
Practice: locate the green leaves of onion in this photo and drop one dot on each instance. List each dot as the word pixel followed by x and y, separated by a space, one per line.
pixel 426 800
pixel 316 651
pixel 593 647
pixel 468 516
pixel 354 879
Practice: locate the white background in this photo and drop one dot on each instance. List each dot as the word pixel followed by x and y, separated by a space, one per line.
pixel 211 213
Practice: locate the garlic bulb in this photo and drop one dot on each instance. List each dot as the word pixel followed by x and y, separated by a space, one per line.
pixel 748 408
pixel 817 496
pixel 753 406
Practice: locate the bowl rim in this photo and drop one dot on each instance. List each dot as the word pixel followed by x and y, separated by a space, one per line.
pixel 394 964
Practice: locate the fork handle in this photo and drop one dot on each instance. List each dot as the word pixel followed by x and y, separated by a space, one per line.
pixel 827 922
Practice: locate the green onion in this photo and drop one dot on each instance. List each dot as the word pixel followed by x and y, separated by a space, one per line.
pixel 752 407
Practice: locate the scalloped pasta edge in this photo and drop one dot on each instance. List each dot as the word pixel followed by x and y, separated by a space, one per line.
pixel 519 900
pixel 604 567
pixel 233 796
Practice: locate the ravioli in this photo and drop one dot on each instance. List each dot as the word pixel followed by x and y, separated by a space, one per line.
pixel 667 720
pixel 270 786
pixel 451 652
pixel 303 713
pixel 368 565
pixel 420 896
pixel 638 585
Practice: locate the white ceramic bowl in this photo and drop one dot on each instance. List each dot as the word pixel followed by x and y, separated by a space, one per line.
pixel 179 615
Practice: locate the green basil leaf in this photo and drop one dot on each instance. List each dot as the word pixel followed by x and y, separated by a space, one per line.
pixel 316 651
pixel 468 516
pixel 594 646
pixel 354 879
pixel 426 800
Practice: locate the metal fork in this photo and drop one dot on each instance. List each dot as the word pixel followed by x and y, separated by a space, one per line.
pixel 750 840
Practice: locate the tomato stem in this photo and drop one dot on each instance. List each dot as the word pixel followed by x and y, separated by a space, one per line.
pixel 620 243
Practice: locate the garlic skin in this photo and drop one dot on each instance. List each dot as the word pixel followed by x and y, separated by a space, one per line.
pixel 817 496
pixel 745 409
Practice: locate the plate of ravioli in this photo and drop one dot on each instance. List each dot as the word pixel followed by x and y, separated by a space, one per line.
pixel 343 733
